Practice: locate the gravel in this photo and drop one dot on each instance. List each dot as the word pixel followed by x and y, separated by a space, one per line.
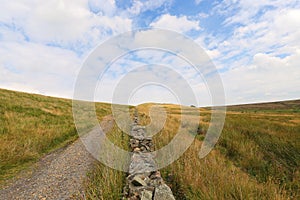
pixel 58 175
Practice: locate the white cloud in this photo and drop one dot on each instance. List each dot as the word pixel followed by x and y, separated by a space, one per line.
pixel 267 78
pixel 6 34
pixel 213 53
pixel 141 6
pixel 116 24
pixel 34 67
pixel 247 10
pixel 29 60
pixel 62 22
pixel 277 32
pixel 58 21
pixel 197 2
pixel 11 10
pixel 106 7
pixel 49 21
pixel 260 61
pixel 181 24
pixel 136 8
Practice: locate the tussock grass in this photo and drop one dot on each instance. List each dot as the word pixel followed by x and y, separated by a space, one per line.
pixel 264 149
pixel 257 156
pixel 103 182
pixel 33 125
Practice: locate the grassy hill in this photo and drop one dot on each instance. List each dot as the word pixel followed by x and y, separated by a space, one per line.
pixel 280 106
pixel 32 125
pixel 256 157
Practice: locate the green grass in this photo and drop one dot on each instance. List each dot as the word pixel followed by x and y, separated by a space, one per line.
pixel 33 125
pixel 266 147
pixel 104 182
pixel 257 156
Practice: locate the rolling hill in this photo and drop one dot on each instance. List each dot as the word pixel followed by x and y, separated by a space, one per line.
pixel 256 157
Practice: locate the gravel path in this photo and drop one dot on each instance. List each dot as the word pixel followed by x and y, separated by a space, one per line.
pixel 58 175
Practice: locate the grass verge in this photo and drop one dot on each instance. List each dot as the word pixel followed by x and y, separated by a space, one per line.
pixel 33 125
pixel 105 183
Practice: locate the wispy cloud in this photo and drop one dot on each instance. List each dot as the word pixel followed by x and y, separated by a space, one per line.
pixel 181 24
pixel 260 54
pixel 255 45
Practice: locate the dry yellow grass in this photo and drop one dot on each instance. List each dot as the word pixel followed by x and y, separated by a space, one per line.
pixel 257 156
pixel 104 182
pixel 33 125
pixel 217 176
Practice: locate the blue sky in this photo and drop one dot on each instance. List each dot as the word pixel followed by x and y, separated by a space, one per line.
pixel 255 45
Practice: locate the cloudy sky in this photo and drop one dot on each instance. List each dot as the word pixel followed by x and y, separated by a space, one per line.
pixel 255 45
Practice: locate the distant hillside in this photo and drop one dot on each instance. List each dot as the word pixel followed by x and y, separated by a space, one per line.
pixel 256 157
pixel 291 105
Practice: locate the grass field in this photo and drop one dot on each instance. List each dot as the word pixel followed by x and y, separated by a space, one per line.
pixel 33 125
pixel 256 157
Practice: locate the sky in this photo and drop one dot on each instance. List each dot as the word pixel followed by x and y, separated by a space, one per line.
pixel 254 45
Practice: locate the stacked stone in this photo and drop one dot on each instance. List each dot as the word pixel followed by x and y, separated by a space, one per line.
pixel 144 180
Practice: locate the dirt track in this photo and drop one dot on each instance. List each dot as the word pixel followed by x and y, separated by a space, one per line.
pixel 58 175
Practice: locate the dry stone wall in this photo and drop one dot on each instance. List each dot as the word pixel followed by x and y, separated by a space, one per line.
pixel 144 180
